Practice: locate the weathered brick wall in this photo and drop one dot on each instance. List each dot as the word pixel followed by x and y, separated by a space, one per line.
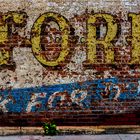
pixel 72 61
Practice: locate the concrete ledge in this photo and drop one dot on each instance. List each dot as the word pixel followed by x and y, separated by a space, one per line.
pixel 68 130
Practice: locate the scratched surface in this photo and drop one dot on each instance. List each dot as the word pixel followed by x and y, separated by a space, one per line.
pixel 79 55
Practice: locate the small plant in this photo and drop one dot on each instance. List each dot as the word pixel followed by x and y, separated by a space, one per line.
pixel 50 129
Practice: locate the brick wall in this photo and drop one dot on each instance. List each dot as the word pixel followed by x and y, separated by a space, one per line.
pixel 75 62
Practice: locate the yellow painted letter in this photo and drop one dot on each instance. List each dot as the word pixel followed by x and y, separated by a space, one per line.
pixel 135 58
pixel 4 52
pixel 5 34
pixel 36 38
pixel 92 41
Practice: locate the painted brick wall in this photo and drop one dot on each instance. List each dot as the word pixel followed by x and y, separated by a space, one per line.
pixel 72 61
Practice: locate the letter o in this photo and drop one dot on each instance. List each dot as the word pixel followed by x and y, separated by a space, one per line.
pixel 64 27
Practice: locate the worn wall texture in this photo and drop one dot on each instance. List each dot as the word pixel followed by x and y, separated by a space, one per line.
pixel 72 61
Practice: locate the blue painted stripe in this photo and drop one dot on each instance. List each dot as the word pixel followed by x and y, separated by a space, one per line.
pixel 21 97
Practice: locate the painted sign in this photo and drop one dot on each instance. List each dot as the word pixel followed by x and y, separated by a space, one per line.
pixel 65 56
pixel 45 39
pixel 69 95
